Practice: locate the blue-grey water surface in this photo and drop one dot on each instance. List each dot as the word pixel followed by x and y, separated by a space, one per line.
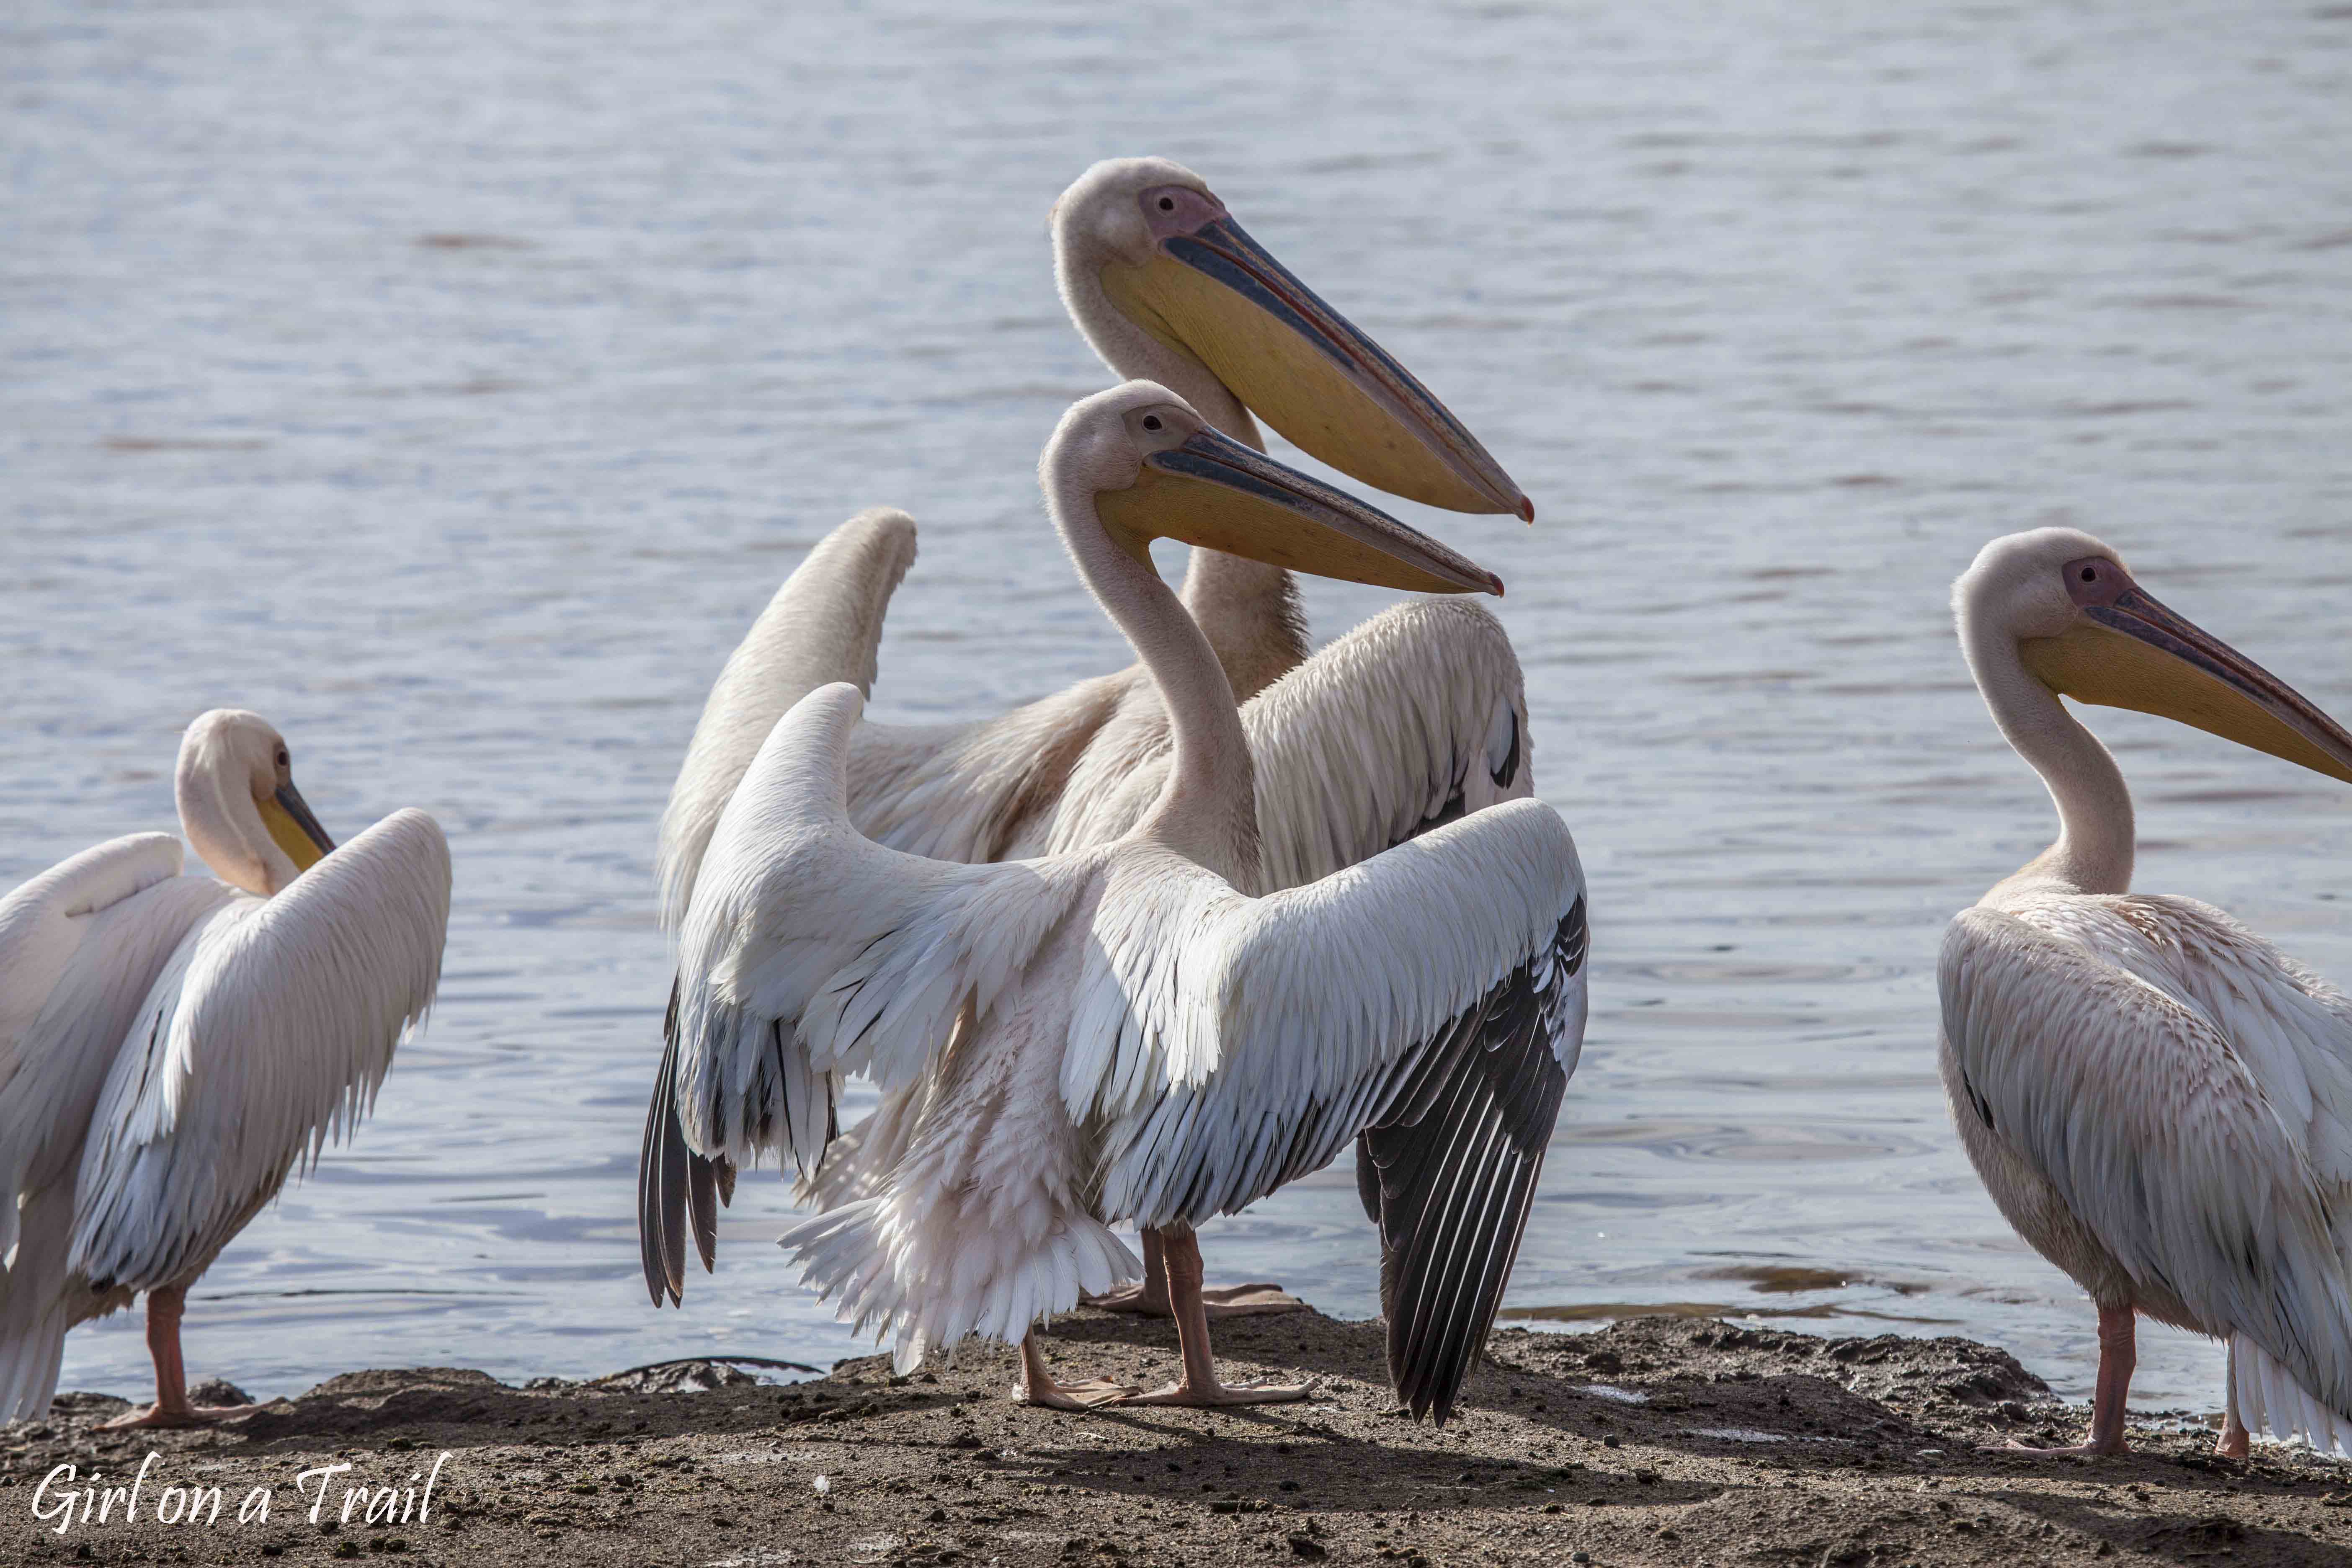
pixel 453 383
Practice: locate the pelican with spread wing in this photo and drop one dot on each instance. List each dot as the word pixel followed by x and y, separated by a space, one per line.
pixel 1127 1031
pixel 173 1046
pixel 1414 718
pixel 2158 1099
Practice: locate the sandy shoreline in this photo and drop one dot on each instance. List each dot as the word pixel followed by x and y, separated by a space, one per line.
pixel 1656 1441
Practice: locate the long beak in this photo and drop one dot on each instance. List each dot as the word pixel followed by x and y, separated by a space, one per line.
pixel 294 829
pixel 1215 492
pixel 2134 653
pixel 1218 295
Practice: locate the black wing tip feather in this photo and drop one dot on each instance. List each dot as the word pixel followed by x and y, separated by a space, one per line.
pixel 679 1191
pixel 1449 1175
pixel 702 1208
pixel 660 1203
pixel 1367 1190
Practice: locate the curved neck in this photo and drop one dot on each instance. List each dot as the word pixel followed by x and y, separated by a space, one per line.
pixel 2094 851
pixel 1249 611
pixel 220 819
pixel 1207 810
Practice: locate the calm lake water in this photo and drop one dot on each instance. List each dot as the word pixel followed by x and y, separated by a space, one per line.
pixel 453 390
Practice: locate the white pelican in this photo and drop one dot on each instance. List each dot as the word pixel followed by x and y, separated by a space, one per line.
pixel 2158 1099
pixel 1121 1031
pixel 171 1046
pixel 1416 716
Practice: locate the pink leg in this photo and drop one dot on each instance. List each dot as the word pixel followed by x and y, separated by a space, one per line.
pixel 1038 1385
pixel 1149 1298
pixel 2235 1441
pixel 165 1307
pixel 1198 1385
pixel 2117 1353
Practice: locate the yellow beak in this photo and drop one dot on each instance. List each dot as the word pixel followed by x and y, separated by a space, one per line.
pixel 1216 493
pixel 2134 653
pixel 1216 295
pixel 294 829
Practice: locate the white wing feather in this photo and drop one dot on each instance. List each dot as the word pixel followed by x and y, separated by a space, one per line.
pixel 265 1036
pixel 823 624
pixel 1204 1047
pixel 1417 714
pixel 80 945
pixel 1412 719
pixel 2196 1131
pixel 41 924
pixel 811 950
pixel 948 792
pixel 1210 1027
pixel 2290 1028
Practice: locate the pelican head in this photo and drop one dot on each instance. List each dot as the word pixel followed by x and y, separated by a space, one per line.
pixel 238 805
pixel 2086 629
pixel 1156 469
pixel 1171 258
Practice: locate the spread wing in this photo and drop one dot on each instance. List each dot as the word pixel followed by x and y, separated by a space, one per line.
pixel 2177 1129
pixel 1433 995
pixel 1449 1171
pixel 823 624
pixel 264 1036
pixel 1413 719
pixel 810 952
pixel 948 792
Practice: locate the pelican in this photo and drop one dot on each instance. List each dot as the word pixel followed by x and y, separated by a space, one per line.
pixel 1415 717
pixel 2158 1099
pixel 1124 1031
pixel 173 1046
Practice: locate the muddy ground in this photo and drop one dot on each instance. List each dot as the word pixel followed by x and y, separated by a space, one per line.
pixel 1657 1441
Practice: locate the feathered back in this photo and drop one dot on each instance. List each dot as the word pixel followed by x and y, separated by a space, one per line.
pixel 2184 1090
pixel 1414 718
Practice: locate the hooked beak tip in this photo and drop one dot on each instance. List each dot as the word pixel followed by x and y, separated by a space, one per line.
pixel 1527 511
pixel 1494 585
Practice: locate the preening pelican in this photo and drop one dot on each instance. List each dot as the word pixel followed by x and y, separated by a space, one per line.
pixel 1416 716
pixel 1123 1031
pixel 2158 1099
pixel 171 1047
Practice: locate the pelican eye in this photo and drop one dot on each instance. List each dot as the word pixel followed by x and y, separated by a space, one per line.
pixel 1151 422
pixel 283 759
pixel 1168 204
pixel 2090 574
